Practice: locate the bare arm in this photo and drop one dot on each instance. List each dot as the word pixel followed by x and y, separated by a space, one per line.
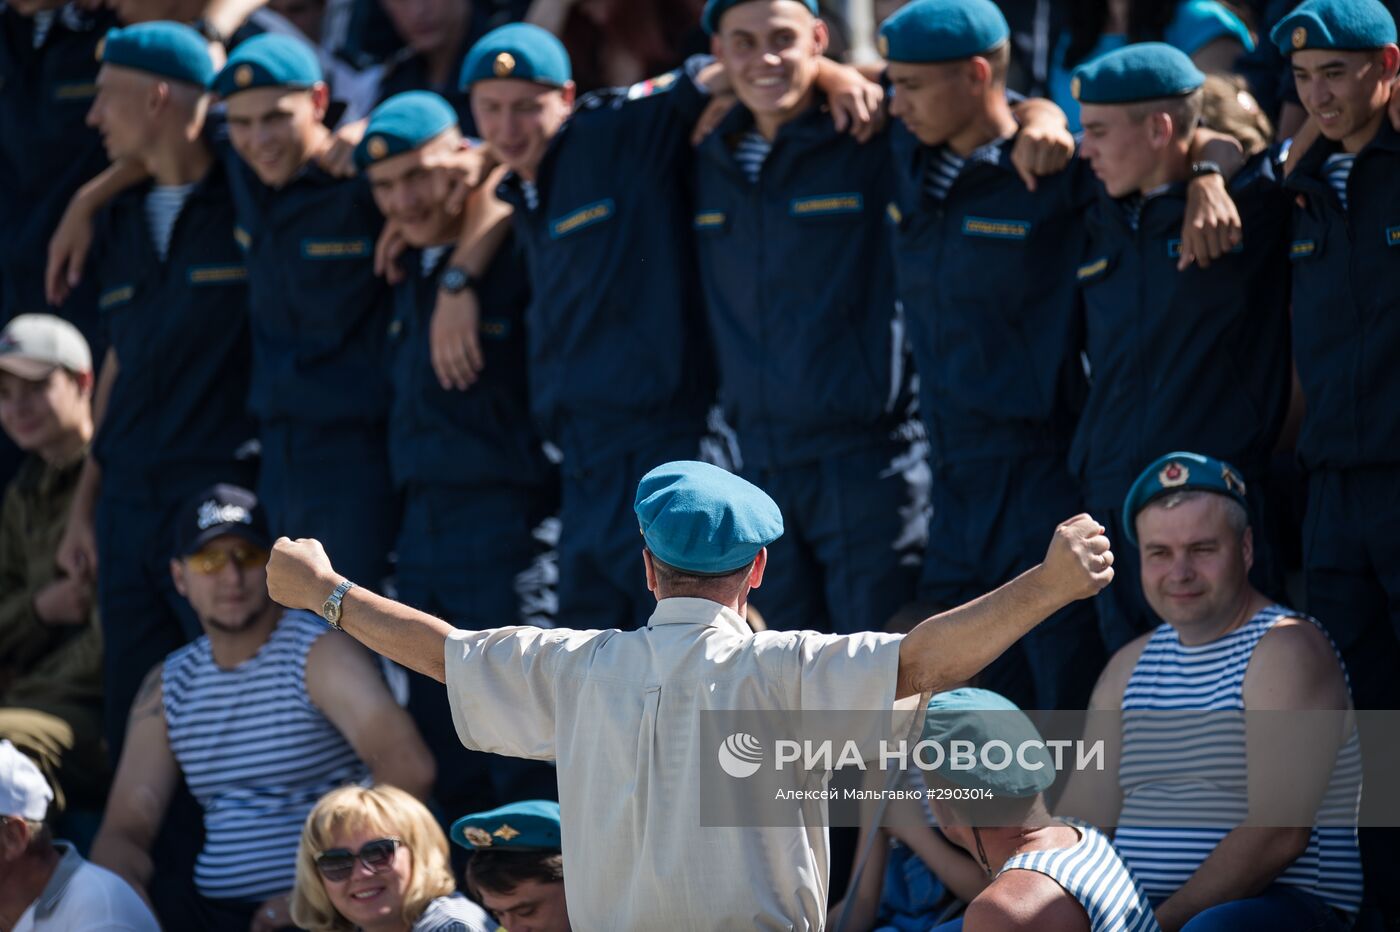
pixel 1219 55
pixel 951 647
pixel 141 791
pixel 1293 669
pixel 72 238
pixel 300 576
pixel 77 549
pixel 344 682
pixel 860 907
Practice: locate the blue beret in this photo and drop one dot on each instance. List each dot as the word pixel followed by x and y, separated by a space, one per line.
pixel 268 60
pixel 403 123
pixel 520 51
pixel 942 30
pixel 704 520
pixel 170 50
pixel 1335 24
pixel 1143 71
pixel 1177 472
pixel 715 9
pixel 980 716
pixel 532 824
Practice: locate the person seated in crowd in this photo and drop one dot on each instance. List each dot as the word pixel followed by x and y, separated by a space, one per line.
pixel 1208 31
pixel 261 716
pixel 375 859
pixel 517 868
pixel 1038 873
pixel 437 35
pixel 51 671
pixel 1222 646
pixel 45 885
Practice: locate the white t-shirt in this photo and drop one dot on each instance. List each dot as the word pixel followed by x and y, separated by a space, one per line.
pixel 84 896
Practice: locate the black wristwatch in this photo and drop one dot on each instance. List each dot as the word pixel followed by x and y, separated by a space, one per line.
pixel 1206 167
pixel 456 280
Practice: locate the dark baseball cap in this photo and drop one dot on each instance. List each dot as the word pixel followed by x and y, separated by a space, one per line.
pixel 219 510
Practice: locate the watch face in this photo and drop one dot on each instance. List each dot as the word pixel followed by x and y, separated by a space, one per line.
pixel 330 611
pixel 454 280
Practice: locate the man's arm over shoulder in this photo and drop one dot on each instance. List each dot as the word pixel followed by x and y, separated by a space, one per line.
pixel 344 682
pixel 1025 901
pixel 141 791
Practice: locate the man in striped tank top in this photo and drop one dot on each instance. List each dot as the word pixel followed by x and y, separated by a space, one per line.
pixel 1223 648
pixel 260 717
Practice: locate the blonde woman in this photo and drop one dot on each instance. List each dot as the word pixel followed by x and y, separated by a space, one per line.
pixel 374 859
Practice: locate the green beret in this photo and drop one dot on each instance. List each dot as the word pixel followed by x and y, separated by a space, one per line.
pixel 1335 24
pixel 704 520
pixel 942 30
pixel 715 10
pixel 403 123
pixel 1143 71
pixel 1178 472
pixel 520 51
pixel 981 716
pixel 170 50
pixel 268 60
pixel 529 825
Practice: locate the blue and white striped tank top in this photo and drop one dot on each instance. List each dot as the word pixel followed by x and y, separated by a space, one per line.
pixel 1093 874
pixel 1189 763
pixel 256 754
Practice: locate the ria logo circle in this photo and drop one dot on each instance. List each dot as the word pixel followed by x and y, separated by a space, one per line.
pixel 740 755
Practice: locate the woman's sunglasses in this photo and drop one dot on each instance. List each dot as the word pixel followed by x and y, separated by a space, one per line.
pixel 339 863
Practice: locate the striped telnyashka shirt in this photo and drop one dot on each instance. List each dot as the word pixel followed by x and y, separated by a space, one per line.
pixel 1190 763
pixel 256 754
pixel 1093 874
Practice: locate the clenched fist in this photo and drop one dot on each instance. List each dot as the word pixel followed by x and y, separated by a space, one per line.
pixel 1079 562
pixel 299 574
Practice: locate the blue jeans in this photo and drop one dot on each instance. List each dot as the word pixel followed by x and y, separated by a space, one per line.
pixel 1280 908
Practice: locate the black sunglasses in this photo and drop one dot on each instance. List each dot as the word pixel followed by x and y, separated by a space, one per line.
pixel 339 863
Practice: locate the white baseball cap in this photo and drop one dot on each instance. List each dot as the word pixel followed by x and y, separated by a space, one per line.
pixel 23 790
pixel 33 345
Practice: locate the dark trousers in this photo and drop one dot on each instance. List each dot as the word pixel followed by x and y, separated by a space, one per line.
pixel 854 526
pixel 472 557
pixel 332 482
pixel 992 520
pixel 602 583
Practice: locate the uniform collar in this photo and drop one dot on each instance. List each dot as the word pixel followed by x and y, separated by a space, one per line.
pixel 53 891
pixel 679 611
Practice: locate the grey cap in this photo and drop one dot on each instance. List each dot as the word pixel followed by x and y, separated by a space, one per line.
pixel 33 345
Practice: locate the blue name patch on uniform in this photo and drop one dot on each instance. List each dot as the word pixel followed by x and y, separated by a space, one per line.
pixel 1174 248
pixel 1302 248
pixel 583 217
pixel 497 328
pixel 1392 236
pixel 993 228
pixel 336 248
pixel 75 90
pixel 1091 270
pixel 893 212
pixel 217 274
pixel 115 296
pixel 241 237
pixel 824 204
pixel 709 219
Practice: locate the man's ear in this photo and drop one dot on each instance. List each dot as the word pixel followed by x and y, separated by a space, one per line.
pixel 651 569
pixel 1160 129
pixel 1247 548
pixel 320 100
pixel 821 36
pixel 177 575
pixel 570 91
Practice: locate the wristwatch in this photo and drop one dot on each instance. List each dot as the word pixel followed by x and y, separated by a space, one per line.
pixel 330 609
pixel 456 279
pixel 1205 167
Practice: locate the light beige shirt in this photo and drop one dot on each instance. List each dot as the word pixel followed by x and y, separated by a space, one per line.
pixel 620 713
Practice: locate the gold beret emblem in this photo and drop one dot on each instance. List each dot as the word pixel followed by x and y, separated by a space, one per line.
pixel 1300 37
pixel 1074 87
pixel 505 833
pixel 243 75
pixel 479 837
pixel 101 47
pixel 883 45
pixel 503 65
pixel 377 147
pixel 1173 474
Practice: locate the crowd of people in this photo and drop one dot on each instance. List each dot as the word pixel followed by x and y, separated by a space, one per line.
pixel 436 283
